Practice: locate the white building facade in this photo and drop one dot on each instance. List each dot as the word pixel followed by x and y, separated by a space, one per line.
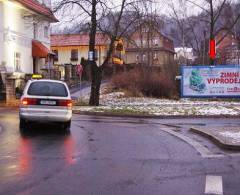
pixel 184 55
pixel 24 37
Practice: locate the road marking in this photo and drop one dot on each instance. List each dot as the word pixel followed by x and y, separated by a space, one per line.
pixel 214 185
pixel 204 152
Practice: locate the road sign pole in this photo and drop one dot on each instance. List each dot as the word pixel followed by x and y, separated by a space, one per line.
pixel 79 70
pixel 80 86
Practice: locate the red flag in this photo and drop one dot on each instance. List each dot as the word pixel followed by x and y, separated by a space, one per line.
pixel 212 49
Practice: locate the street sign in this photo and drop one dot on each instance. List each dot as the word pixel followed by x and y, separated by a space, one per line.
pixel 90 55
pixel 79 69
pixel 212 49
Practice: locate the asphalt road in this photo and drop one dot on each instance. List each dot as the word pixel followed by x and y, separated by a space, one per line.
pixel 115 156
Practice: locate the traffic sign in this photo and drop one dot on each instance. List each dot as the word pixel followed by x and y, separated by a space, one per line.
pixel 79 69
pixel 90 55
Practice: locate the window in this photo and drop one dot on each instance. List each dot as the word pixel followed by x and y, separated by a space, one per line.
pixel 144 57
pixel 155 56
pixel 155 41
pixel 44 88
pixel 145 30
pixel 138 43
pixel 137 58
pixel 56 55
pixel 74 55
pixel 144 42
pixel 17 61
pixel 46 31
pixel 35 31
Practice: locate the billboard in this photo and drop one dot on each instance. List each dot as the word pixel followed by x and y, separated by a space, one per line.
pixel 210 81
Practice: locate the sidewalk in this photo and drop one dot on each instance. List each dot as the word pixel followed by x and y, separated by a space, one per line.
pixel 13 104
pixel 76 88
pixel 226 137
pixel 84 92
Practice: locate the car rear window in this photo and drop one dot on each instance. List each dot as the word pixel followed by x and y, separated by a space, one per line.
pixel 45 88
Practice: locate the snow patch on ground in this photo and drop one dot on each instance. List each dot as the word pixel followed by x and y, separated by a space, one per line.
pixel 217 110
pixel 112 95
pixel 117 102
pixel 235 136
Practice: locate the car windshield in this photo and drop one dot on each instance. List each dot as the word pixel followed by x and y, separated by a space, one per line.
pixel 45 88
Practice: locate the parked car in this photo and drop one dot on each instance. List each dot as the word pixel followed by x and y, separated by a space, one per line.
pixel 44 101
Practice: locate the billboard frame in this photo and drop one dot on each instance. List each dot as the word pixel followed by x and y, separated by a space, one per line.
pixel 205 66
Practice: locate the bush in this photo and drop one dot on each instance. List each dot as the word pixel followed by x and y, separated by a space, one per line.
pixel 146 82
pixel 127 81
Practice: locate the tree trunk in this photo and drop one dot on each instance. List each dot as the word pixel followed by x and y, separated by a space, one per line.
pixel 96 72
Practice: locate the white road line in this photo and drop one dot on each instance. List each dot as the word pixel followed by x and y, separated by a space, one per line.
pixel 205 153
pixel 214 185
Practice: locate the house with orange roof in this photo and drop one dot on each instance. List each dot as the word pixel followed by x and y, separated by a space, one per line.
pixel 72 49
pixel 25 38
pixel 142 48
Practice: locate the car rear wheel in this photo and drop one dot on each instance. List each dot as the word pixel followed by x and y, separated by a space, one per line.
pixel 22 123
pixel 66 125
pixel 23 126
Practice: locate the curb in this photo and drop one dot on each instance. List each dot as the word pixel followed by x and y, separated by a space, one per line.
pixel 151 116
pixel 215 139
pixel 201 149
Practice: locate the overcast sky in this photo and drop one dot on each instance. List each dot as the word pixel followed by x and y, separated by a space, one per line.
pixel 72 16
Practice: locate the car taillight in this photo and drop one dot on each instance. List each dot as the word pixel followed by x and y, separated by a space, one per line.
pixel 66 103
pixel 29 101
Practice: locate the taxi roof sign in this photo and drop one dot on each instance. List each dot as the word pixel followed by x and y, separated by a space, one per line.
pixel 36 76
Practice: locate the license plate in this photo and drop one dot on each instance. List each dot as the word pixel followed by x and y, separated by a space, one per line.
pixel 47 102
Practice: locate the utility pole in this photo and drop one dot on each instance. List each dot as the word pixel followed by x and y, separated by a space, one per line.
pixel 238 53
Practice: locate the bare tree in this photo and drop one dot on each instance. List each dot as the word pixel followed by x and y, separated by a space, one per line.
pixel 117 30
pixel 96 10
pixel 84 9
pixel 147 23
pixel 213 17
pixel 214 11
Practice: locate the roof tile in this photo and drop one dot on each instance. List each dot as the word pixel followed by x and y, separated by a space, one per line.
pixel 39 8
pixel 76 39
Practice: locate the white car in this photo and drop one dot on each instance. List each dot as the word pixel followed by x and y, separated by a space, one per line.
pixel 46 101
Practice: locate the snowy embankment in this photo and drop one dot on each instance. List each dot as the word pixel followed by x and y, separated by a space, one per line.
pixel 117 103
